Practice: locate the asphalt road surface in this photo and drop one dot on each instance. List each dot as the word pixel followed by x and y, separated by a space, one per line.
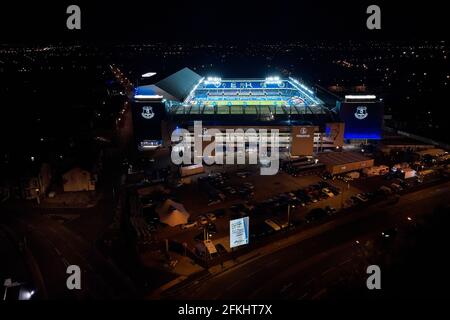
pixel 54 247
pixel 306 269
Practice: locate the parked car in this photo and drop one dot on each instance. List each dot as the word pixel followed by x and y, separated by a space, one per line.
pixel 335 190
pixel 150 216
pixel 349 203
pixel 231 190
pixel 327 192
pixel 221 249
pixel 249 185
pixel 243 174
pixel 396 187
pixel 385 190
pixel 370 195
pixel 213 201
pixel 283 224
pixel 189 225
pixel 327 176
pixel 275 226
pixel 362 197
pixel 330 210
pixel 147 202
pixel 260 230
pixel 344 178
pixel 401 182
pixel 211 228
pixel 202 220
pixel 356 200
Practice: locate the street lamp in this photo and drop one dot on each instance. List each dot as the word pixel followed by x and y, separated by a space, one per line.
pixel 9 284
pixel 38 199
pixel 289 214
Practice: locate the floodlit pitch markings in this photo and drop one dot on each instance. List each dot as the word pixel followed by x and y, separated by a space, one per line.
pixel 273 91
pixel 230 103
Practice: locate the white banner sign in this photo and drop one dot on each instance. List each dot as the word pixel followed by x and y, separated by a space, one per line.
pixel 239 232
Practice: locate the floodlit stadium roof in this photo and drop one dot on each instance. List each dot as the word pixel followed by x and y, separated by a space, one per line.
pixel 188 95
pixel 180 83
pixel 270 96
pixel 173 88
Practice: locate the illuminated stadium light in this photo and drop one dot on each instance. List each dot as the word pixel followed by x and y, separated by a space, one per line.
pixel 305 90
pixel 213 80
pixel 190 96
pixel 273 80
pixel 150 144
pixel 148 74
pixel 360 97
pixel 302 86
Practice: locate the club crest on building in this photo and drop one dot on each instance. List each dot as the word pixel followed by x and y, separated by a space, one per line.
pixel 361 112
pixel 147 112
pixel 303 131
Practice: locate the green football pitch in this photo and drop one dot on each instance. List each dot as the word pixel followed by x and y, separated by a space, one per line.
pixel 231 103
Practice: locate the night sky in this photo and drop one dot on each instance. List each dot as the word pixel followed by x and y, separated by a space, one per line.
pixel 168 20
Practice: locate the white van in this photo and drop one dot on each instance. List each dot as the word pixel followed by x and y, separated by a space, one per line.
pixel 272 224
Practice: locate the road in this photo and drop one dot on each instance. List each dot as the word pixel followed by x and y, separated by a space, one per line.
pixel 306 269
pixel 54 247
pixel 48 247
pixel 13 265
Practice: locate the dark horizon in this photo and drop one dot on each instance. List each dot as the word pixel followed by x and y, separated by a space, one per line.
pixel 105 22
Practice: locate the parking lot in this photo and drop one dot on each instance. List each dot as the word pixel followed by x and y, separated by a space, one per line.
pixel 273 203
pixel 297 196
pixel 245 192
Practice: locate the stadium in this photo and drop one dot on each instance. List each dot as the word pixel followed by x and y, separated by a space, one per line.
pixel 254 96
pixel 305 122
